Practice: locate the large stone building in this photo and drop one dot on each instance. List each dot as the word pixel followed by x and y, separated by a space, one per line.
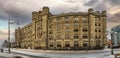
pixel 74 30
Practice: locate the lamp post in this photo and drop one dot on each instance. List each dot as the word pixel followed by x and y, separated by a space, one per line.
pixel 9 44
pixel 111 43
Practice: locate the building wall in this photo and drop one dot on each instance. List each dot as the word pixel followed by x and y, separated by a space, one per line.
pixel 24 36
pixel 17 37
pixel 74 30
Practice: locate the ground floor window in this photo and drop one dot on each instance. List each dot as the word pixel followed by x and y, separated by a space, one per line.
pixel 76 45
pixel 58 45
pixel 67 45
pixel 51 45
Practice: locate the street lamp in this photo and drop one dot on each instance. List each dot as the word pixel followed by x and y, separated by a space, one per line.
pixel 9 33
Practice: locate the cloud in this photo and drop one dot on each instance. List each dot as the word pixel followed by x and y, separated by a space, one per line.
pixel 91 2
pixel 4 34
pixel 20 10
pixel 111 6
pixel 114 2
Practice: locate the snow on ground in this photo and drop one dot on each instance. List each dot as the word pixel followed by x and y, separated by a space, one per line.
pixel 6 55
pixel 62 55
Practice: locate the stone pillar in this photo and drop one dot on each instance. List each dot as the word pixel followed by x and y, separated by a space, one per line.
pixel 104 16
pixel 91 30
pixel 34 18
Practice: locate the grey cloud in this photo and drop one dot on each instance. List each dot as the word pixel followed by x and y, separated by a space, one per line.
pixel 71 1
pixel 114 18
pixel 114 2
pixel 64 9
pixel 91 3
pixel 103 5
pixel 10 8
pixel 97 5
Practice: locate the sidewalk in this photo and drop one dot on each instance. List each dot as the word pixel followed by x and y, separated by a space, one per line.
pixel 6 55
pixel 11 55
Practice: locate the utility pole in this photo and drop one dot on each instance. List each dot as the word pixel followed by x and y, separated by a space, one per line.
pixel 112 46
pixel 9 35
pixel 9 44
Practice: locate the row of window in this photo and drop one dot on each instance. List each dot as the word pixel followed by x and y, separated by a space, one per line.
pixel 67 36
pixel 75 18
pixel 75 30
pixel 68 30
pixel 66 45
pixel 76 36
pixel 75 24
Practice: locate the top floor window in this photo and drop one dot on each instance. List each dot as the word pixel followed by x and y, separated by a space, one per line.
pixel 84 18
pixel 66 18
pixel 75 17
pixel 58 19
pixel 97 18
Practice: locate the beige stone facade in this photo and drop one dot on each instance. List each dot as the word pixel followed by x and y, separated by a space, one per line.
pixel 74 30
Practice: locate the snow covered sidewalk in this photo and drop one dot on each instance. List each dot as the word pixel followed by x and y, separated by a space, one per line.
pixel 62 51
pixel 6 55
pixel 25 52
pixel 51 54
pixel 11 55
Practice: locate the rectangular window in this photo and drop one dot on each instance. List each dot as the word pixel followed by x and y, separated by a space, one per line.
pixel 58 30
pixel 84 21
pixel 76 36
pixel 75 17
pixel 95 30
pixel 95 24
pixel 66 18
pixel 58 19
pixel 58 37
pixel 67 36
pixel 67 23
pixel 97 18
pixel 85 30
pixel 84 18
pixel 50 32
pixel 85 36
pixel 58 45
pixel 75 30
pixel 50 38
pixel 99 31
pixel 76 24
pixel 99 24
pixel 51 45
pixel 67 45
pixel 97 36
pixel 67 30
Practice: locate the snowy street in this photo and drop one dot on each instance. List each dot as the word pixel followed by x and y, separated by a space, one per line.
pixel 30 53
pixel 64 54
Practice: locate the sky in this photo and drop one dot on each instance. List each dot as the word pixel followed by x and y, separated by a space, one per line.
pixel 20 11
